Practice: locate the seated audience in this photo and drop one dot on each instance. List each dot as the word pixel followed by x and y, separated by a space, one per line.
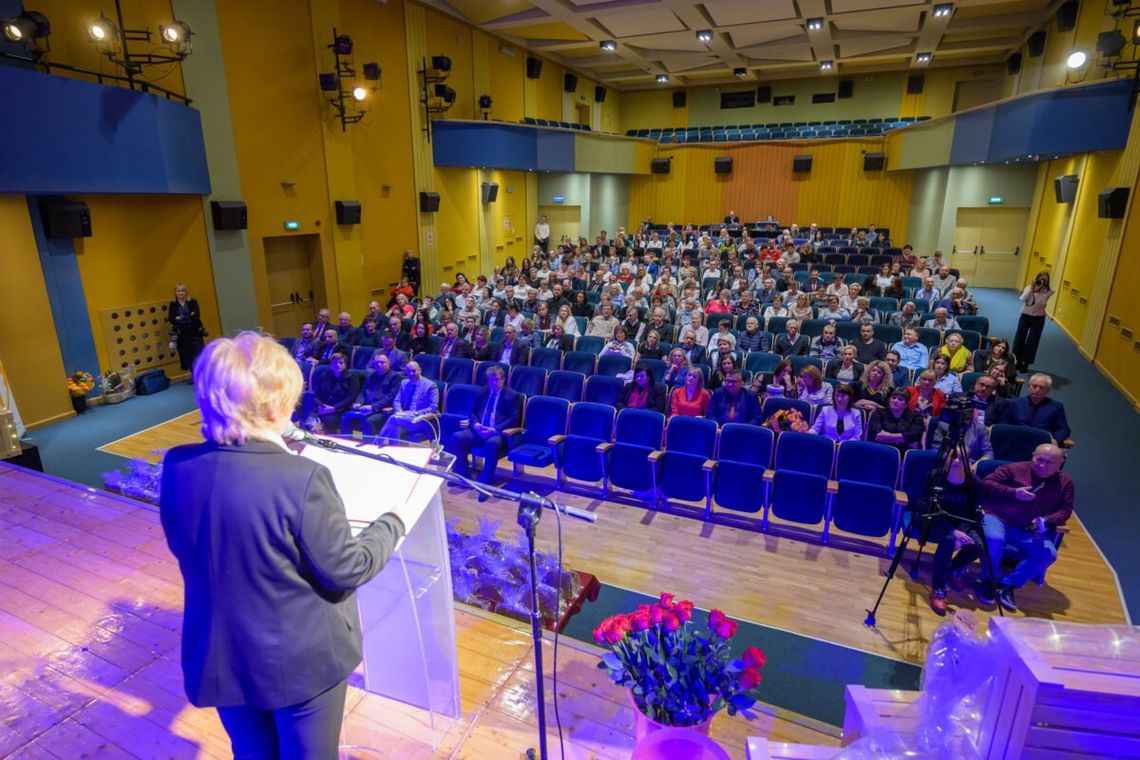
pixel 723 363
pixel 369 409
pixel 974 435
pixel 678 369
pixel 913 355
pixel 1022 502
pixel 753 338
pixel 942 321
pixel 417 399
pixel 510 352
pixel 323 352
pixel 482 349
pixel 924 398
pixel 732 403
pixel 791 342
pixel 452 346
pixel 496 409
pixel 874 386
pixel 651 347
pixel 303 347
pixel 955 531
pixel 907 317
pixel 643 392
pixel 998 350
pixel 826 346
pixel 811 388
pixel 945 380
pixel 691 398
pixel 986 399
pixel 845 369
pixel 1036 409
pixel 421 341
pixel 840 421
pixel 834 311
pixel 868 348
pixel 782 383
pixel 618 344
pixel 961 358
pixel 557 338
pixel 333 393
pixel 895 424
pixel 694 352
pixel 368 336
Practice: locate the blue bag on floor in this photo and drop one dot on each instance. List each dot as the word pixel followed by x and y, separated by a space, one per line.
pixel 151 381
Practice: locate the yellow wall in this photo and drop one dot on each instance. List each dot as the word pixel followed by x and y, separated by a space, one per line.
pixel 28 346
pixel 549 91
pixel 644 109
pixel 457 220
pixel 1119 348
pixel 508 217
pixel 141 246
pixel 1049 230
pixel 447 35
pixel 507 75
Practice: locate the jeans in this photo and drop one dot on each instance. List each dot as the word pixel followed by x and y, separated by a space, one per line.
pixel 310 729
pixel 1036 549
pixel 405 428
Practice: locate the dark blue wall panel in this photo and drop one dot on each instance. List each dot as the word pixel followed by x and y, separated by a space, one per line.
pixel 65 135
pixel 972 133
pixel 501 146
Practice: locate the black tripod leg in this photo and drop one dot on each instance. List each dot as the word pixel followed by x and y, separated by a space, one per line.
pixel 869 621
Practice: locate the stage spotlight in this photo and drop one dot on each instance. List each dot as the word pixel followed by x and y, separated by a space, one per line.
pixel 923 57
pixel 704 35
pixel 1076 59
pixel 342 45
pixel 329 82
pixel 943 10
pixel 1110 44
pixel 662 79
pixel 608 45
pixel 102 30
pixel 441 63
pixel 740 72
pixel 371 71
pixel 485 102
pixel 814 24
pixel 174 33
pixel 826 65
pixel 359 93
pixel 445 93
pixel 27 27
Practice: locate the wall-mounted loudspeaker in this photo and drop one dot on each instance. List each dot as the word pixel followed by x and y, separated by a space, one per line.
pixel 569 82
pixel 228 215
pixel 873 162
pixel 599 94
pixel 1013 65
pixel 915 83
pixel 1036 43
pixel 347 212
pixel 722 164
pixel 846 88
pixel 1065 188
pixel 660 166
pixel 66 219
pixel 1067 16
pixel 1111 203
pixel 533 67
pixel 764 94
pixel 801 164
pixel 490 192
pixel 429 202
pixel 679 99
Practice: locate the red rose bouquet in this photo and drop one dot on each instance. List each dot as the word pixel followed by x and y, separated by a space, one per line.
pixel 679 672
pixel 787 419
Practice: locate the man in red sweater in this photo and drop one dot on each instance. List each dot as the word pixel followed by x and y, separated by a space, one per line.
pixel 1022 501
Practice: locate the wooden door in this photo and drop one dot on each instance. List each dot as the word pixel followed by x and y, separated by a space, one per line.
pixel 1003 237
pixel 968 227
pixel 288 264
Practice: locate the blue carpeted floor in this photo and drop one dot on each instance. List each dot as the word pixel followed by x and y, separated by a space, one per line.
pixel 1105 427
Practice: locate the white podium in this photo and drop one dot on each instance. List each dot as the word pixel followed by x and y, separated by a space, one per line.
pixel 407 616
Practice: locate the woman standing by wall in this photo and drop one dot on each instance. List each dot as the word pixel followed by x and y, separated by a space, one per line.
pixel 1034 299
pixel 186 331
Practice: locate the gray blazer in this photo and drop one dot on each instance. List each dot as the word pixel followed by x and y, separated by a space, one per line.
pixel 269 564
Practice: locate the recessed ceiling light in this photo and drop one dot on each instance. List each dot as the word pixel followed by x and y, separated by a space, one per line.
pixel 923 57
pixel 826 65
pixel 740 72
pixel 662 79
pixel 704 35
pixel 944 10
pixel 608 45
pixel 814 24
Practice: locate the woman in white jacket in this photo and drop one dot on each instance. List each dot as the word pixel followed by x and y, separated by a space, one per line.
pixel 1034 299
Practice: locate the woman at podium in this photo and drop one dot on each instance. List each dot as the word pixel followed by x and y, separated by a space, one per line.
pixel 270 628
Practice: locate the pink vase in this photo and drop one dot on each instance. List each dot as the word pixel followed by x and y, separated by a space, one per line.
pixel 644 725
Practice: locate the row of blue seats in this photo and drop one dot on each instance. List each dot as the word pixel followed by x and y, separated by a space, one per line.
pixel 775 125
pixel 531 121
pixel 775 130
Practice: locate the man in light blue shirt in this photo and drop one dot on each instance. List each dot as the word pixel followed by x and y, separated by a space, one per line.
pixel 912 354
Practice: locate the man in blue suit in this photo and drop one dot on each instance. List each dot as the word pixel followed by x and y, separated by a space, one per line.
pixel 496 409
pixel 418 398
pixel 731 403
pixel 694 352
pixel 396 357
pixel 369 410
pixel 1036 409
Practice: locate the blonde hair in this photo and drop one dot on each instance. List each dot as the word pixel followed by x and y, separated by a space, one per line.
pixel 243 385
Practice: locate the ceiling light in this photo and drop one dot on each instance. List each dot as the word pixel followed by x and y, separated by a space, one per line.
pixel 175 32
pixel 814 24
pixel 27 27
pixel 102 30
pixel 704 35
pixel 923 57
pixel 943 11
pixel 608 45
pixel 826 65
pixel 1076 59
pixel 1136 33
pixel 359 93
pixel 662 79
pixel 1110 44
pixel 740 72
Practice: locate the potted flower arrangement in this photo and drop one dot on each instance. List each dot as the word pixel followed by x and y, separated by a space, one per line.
pixel 679 672
pixel 79 385
pixel 117 386
pixel 787 419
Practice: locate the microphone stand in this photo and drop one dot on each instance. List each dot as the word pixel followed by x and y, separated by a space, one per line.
pixel 531 506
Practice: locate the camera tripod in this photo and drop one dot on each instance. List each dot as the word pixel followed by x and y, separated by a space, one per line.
pixel 952 444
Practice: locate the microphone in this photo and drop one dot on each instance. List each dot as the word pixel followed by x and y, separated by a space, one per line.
pixel 300 435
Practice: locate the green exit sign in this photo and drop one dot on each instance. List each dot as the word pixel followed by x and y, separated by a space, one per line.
pixel 292 224
pixel 997 199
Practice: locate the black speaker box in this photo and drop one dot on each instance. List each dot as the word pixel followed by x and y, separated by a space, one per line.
pixel 1036 43
pixel 429 202
pixel 490 192
pixel 722 164
pixel 1111 203
pixel 229 215
pixel 679 99
pixel 347 212
pixel 873 162
pixel 1013 65
pixel 1065 188
pixel 846 88
pixel 915 83
pixel 764 94
pixel 660 166
pixel 533 67
pixel 66 219
pixel 801 164
pixel 1067 16
pixel 599 94
pixel 569 82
